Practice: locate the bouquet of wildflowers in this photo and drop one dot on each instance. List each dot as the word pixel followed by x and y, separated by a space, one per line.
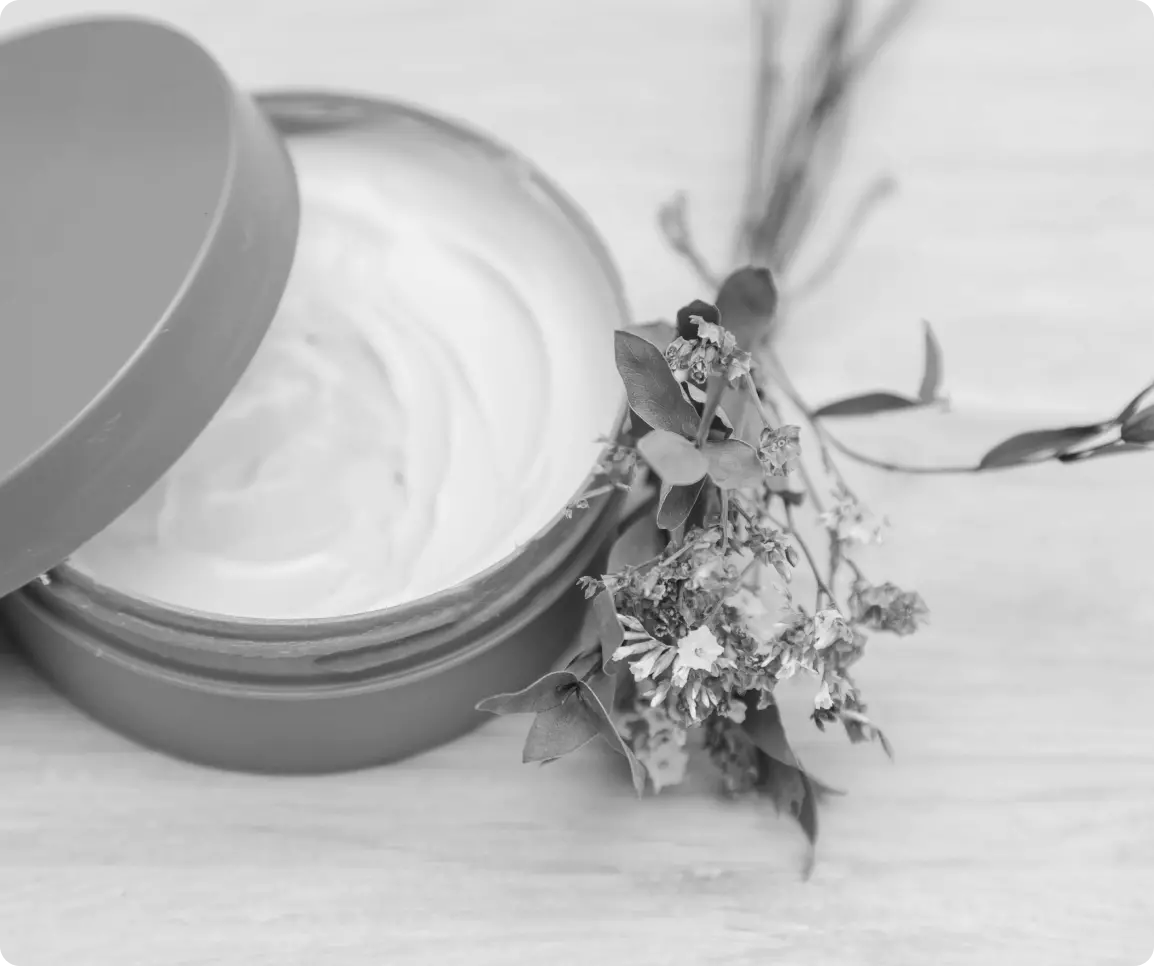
pixel 701 614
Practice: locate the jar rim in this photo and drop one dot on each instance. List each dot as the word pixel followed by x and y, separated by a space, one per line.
pixel 316 111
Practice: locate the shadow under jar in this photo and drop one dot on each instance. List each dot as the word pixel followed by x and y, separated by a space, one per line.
pixel 332 693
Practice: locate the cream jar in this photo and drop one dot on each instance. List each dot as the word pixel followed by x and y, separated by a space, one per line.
pixel 317 513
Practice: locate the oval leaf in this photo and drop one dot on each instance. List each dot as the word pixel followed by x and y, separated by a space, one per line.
pixel 1140 427
pixel 733 464
pixel 932 380
pixel 1036 447
pixel 870 404
pixel 652 391
pixel 543 694
pixel 598 695
pixel 748 304
pixel 637 545
pixel 783 779
pixel 608 624
pixel 677 503
pixel 676 460
pixel 1136 404
pixel 560 730
pixel 657 334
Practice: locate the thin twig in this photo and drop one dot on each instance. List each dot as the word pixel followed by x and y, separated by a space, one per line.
pixel 821 584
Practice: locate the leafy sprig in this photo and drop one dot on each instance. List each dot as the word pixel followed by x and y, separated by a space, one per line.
pixel 698 619
pixel 681 632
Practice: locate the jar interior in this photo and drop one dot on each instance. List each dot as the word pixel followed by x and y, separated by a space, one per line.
pixel 432 393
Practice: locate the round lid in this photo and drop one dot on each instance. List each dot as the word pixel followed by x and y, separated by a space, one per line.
pixel 148 221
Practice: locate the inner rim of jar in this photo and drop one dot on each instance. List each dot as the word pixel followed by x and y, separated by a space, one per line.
pixel 316 112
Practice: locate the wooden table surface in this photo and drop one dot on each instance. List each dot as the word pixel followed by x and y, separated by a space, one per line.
pixel 1016 825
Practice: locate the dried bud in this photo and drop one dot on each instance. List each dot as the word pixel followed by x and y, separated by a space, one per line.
pixel 686 327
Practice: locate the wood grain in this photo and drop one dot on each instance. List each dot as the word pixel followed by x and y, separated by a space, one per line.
pixel 1016 825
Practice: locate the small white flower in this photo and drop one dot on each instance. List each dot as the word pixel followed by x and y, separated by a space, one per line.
pixel 824 700
pixel 829 627
pixel 699 650
pixel 736 711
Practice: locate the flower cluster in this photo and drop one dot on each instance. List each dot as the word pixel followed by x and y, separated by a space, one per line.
pixel 703 348
pixel 704 615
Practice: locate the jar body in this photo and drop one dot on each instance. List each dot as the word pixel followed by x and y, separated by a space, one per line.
pixel 317 705
pixel 327 695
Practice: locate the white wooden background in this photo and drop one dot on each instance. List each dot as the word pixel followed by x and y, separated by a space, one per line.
pixel 1017 824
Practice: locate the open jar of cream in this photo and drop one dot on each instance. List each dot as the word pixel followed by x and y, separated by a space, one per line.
pixel 296 390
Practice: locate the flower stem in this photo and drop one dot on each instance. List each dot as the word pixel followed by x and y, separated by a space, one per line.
pixel 822 587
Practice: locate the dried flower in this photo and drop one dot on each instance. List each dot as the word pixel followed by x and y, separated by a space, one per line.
pixel 780 450
pixel 887 608
pixel 850 522
pixel 830 629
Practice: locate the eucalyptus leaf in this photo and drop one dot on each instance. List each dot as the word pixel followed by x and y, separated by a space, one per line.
pixel 598 697
pixel 674 458
pixel 783 779
pixel 1135 404
pixel 676 504
pixel 869 404
pixel 748 304
pixel 1139 428
pixel 932 380
pixel 542 695
pixel 1036 446
pixel 742 415
pixel 585 663
pixel 1117 448
pixel 637 545
pixel 733 464
pixel 652 391
pixel 657 334
pixel 560 730
pixel 824 791
pixel 609 629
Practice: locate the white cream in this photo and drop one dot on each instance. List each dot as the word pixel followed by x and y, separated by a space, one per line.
pixel 429 396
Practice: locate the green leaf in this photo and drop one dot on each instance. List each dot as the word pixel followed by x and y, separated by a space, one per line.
pixel 824 791
pixel 733 464
pixel 675 459
pixel 598 697
pixel 1037 446
pixel 543 694
pixel 1139 428
pixel 1134 405
pixel 652 391
pixel 637 545
pixel 932 380
pixel 748 304
pixel 560 730
pixel 783 779
pixel 581 665
pixel 1117 448
pixel 657 334
pixel 676 504
pixel 609 628
pixel 742 414
pixel 870 404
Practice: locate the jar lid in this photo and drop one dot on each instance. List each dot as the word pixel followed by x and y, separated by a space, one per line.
pixel 148 222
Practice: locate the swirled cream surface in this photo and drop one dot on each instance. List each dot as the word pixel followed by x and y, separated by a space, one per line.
pixel 429 396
